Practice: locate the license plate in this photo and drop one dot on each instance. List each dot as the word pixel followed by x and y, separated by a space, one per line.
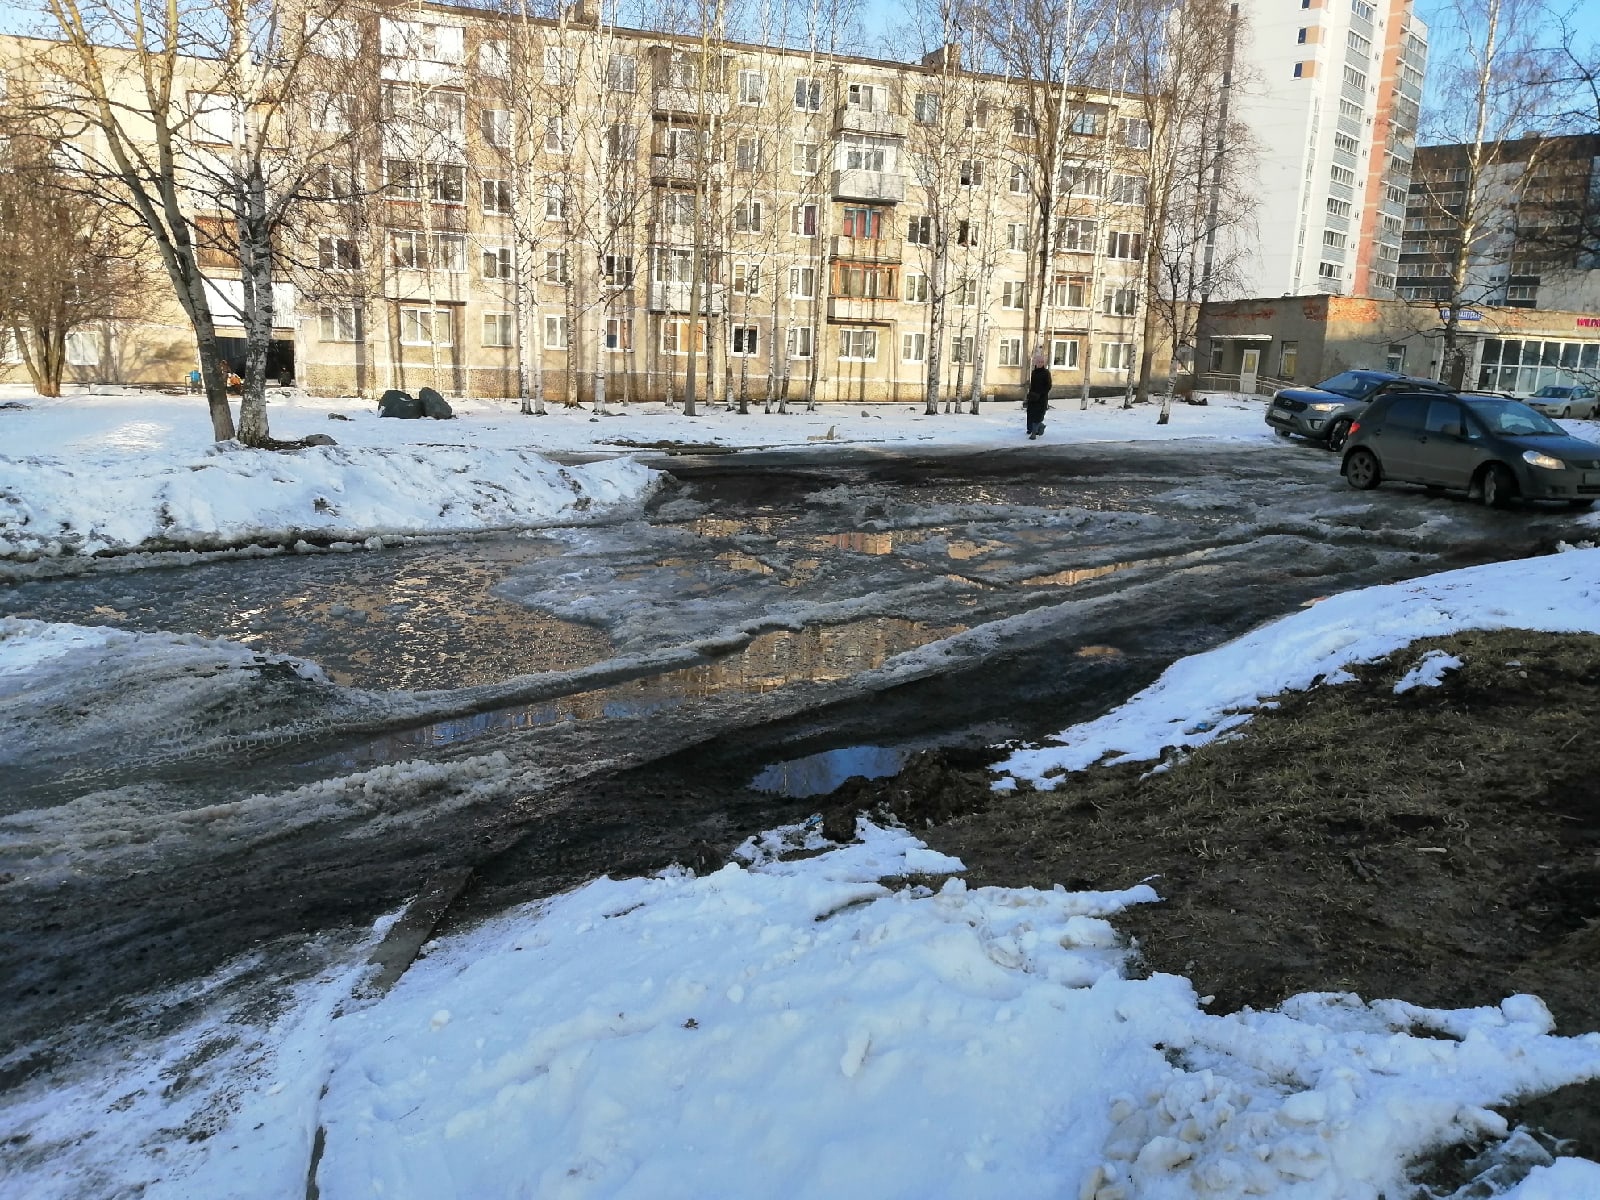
pixel 1280 414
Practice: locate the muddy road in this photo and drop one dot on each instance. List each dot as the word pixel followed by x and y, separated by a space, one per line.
pixel 539 709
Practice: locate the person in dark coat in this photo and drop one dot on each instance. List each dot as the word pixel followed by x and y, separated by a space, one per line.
pixel 1038 394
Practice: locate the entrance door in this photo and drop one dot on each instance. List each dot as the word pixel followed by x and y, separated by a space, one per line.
pixel 1249 365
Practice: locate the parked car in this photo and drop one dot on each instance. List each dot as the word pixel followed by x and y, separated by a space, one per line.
pixel 1565 400
pixel 1492 448
pixel 1324 413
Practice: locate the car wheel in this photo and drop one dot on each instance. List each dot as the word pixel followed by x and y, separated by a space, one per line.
pixel 1281 432
pixel 1362 471
pixel 1499 487
pixel 1566 412
pixel 1337 433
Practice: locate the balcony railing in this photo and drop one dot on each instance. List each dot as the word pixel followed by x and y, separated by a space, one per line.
pixel 855 184
pixel 689 102
pixel 883 249
pixel 668 297
pixel 860 310
pixel 862 120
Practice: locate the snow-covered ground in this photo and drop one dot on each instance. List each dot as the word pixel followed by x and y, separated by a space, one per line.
pixel 855 1023
pixel 852 1023
pixel 110 471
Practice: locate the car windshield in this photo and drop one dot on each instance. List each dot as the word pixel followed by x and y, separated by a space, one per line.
pixel 1352 384
pixel 1559 393
pixel 1512 418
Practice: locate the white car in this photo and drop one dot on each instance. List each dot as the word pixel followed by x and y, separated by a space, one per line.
pixel 1564 400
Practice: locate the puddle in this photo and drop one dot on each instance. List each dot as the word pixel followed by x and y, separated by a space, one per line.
pixel 771 661
pixel 819 774
pixel 1078 575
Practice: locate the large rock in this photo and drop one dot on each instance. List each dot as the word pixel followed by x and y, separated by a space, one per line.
pixel 395 403
pixel 434 405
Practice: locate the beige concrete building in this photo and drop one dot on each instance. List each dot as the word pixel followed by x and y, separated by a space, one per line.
pixel 572 208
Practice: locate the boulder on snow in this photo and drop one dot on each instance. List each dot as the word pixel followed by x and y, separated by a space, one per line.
pixel 395 403
pixel 319 439
pixel 434 405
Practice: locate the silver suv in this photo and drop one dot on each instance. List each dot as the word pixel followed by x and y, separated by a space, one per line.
pixel 1324 413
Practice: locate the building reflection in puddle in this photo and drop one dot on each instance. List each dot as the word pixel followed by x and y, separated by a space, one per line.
pixel 771 661
pixel 819 774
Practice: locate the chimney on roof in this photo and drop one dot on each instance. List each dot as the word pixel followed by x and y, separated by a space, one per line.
pixel 948 55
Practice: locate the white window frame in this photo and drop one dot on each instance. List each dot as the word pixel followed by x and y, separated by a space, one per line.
pixel 805 158
pixel 802 283
pixel 916 288
pixel 744 341
pixel 555 331
pixel 752 87
pixel 1008 352
pixel 1064 353
pixel 857 344
pixel 808 94
pixel 494 262
pixel 499 330
pixel 419 325
pixel 799 342
pixel 336 323
pixel 914 347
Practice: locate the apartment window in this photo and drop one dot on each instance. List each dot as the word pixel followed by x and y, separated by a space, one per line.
pixel 498 329
pixel 1080 179
pixel 408 250
pixel 1071 292
pixel 1288 359
pixel 747 154
pixel 925 108
pixel 967 233
pixel 496 125
pixel 916 289
pixel 556 267
pixel 863 222
pixel 425 326
pixel 744 340
pixel 858 152
pixel 1338 207
pixel 622 143
pixel 417 39
pixel 971 172
pixel 978 116
pixel 1394 358
pixel 1129 189
pixel 1086 121
pixel 747 217
pixel 746 279
pixel 555 333
pixel 752 87
pixel 1116 356
pixel 913 347
pixel 1022 122
pixel 677 208
pixel 619 333
pixel 1333 239
pixel 1346 143
pixel 1119 302
pixel 867 97
pixel 1134 132
pixel 919 231
pixel 1124 245
pixel 1064 353
pixel 331 181
pixel 802 282
pixel 559 64
pixel 555 202
pixel 1011 352
pixel 447 252
pixel 1342 175
pixel 497 196
pixel 1013 294
pixel 496 262
pixel 337 323
pixel 1522 291
pixel 1355 78
pixel 1075 234
pixel 961 348
pixel 965 293
pixel 804 158
pixel 1299 70
pixel 217 242
pixel 1017 236
pixel 797 341
pixel 803 220
pixel 330 112
pixel 1328 270
pixel 1350 109
pixel 622 73
pixel 555 135
pixel 808 98
pixel 1359 44
pixel 617 270
pixel 1300 37
pixel 338 254
pixel 1018 184
pixel 400 179
pixel 868 283
pixel 494 58
pixel 445 113
pixel 674 266
pixel 858 345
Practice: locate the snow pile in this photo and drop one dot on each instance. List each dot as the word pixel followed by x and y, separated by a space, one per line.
pixel 228 495
pixel 1200 698
pixel 1429 671
pixel 660 1037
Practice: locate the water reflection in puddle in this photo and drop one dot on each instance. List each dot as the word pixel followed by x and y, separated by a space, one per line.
pixel 819 774
pixel 771 661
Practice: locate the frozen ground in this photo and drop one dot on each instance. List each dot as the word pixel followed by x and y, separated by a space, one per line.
pixel 853 1023
pixel 114 471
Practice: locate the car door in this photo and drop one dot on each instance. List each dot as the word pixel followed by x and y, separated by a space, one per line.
pixel 1395 437
pixel 1447 449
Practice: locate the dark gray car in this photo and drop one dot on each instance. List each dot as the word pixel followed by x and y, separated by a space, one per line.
pixel 1496 449
pixel 1325 412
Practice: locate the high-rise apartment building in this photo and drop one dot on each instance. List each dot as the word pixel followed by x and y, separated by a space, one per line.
pixel 1331 90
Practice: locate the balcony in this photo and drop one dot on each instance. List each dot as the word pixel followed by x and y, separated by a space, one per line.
pixel 689 102
pixel 860 310
pixel 861 120
pixel 882 250
pixel 855 184
pixel 682 170
pixel 666 297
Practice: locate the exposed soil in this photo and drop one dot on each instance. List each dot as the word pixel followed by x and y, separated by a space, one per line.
pixel 1441 846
